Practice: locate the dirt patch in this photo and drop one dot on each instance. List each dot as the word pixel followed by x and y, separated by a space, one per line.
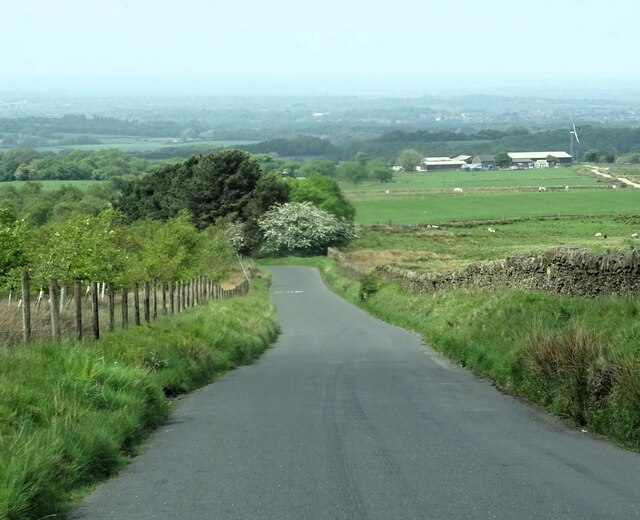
pixel 233 278
pixel 369 258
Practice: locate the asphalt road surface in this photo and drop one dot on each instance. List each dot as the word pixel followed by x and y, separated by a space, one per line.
pixel 348 418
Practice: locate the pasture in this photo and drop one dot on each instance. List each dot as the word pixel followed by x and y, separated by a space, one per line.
pixel 139 144
pixel 398 225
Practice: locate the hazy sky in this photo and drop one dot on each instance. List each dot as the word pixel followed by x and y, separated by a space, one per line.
pixel 294 39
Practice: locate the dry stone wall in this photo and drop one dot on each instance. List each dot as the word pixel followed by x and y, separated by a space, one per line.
pixel 566 271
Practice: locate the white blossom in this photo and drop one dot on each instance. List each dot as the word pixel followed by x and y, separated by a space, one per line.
pixel 301 227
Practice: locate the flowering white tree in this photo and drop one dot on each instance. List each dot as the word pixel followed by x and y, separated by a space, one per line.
pixel 301 227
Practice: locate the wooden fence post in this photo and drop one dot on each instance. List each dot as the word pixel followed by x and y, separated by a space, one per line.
pixel 155 298
pixel 95 295
pixel 111 294
pixel 136 303
pixel 179 295
pixel 147 303
pixel 77 296
pixel 125 308
pixel 172 297
pixel 55 309
pixel 26 308
pixel 183 293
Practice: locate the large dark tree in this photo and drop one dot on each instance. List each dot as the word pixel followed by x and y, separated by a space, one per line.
pixel 209 187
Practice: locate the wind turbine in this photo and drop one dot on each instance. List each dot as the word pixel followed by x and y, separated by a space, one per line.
pixel 574 135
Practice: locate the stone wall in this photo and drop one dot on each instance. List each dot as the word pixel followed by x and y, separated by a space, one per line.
pixel 566 271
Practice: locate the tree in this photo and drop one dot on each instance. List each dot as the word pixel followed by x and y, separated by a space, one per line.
pixel 592 155
pixel 302 228
pixel 502 160
pixel 362 158
pixel 323 167
pixel 379 171
pixel 409 159
pixel 209 187
pixel 13 244
pixel 324 193
pixel 352 171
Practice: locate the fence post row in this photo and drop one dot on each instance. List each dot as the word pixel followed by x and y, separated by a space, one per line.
pixel 77 296
pixel 181 295
pixel 26 308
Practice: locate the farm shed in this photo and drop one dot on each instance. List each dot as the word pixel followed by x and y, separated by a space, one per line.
pixel 488 162
pixel 431 164
pixel 563 157
pixel 464 158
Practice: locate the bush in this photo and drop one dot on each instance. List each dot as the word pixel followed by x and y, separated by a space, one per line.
pixel 302 228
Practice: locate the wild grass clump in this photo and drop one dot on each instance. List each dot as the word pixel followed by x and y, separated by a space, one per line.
pixel 578 358
pixel 72 414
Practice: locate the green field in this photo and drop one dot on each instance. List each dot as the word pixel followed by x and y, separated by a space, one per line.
pixel 438 207
pixel 552 178
pixel 423 198
pixel 397 225
pixel 140 144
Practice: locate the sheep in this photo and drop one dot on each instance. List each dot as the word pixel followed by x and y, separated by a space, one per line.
pixel 598 235
pixel 566 188
pixel 435 227
pixel 634 235
pixel 457 190
pixel 542 189
pixel 491 230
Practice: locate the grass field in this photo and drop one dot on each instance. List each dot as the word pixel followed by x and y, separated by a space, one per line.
pixel 140 144
pixel 525 220
pixel 494 179
pixel 440 207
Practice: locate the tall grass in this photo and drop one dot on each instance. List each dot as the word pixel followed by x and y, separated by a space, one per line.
pixel 72 414
pixel 577 358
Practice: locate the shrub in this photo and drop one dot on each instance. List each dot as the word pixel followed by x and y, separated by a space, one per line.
pixel 302 228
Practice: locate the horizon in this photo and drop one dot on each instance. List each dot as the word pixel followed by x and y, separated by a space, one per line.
pixel 400 87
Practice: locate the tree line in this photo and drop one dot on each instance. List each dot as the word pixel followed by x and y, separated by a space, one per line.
pixel 82 124
pixel 29 164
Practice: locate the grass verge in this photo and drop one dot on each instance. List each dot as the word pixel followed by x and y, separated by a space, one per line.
pixel 577 358
pixel 71 415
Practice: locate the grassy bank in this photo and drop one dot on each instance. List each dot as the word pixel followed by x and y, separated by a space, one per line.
pixel 71 415
pixel 577 358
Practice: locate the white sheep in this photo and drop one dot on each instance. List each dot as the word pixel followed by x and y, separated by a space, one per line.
pixel 491 230
pixel 634 235
pixel 542 189
pixel 598 235
pixel 566 188
pixel 435 227
pixel 457 190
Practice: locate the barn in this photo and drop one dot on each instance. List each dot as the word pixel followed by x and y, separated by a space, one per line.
pixel 519 157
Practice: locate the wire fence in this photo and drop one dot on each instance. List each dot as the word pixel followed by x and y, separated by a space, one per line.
pixel 86 310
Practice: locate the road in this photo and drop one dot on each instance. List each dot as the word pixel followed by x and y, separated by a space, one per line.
pixel 349 418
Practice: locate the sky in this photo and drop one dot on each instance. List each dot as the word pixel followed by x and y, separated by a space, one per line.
pixel 288 41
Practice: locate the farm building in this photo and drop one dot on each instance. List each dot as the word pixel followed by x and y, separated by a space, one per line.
pixel 465 158
pixel 430 164
pixel 488 162
pixel 519 157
